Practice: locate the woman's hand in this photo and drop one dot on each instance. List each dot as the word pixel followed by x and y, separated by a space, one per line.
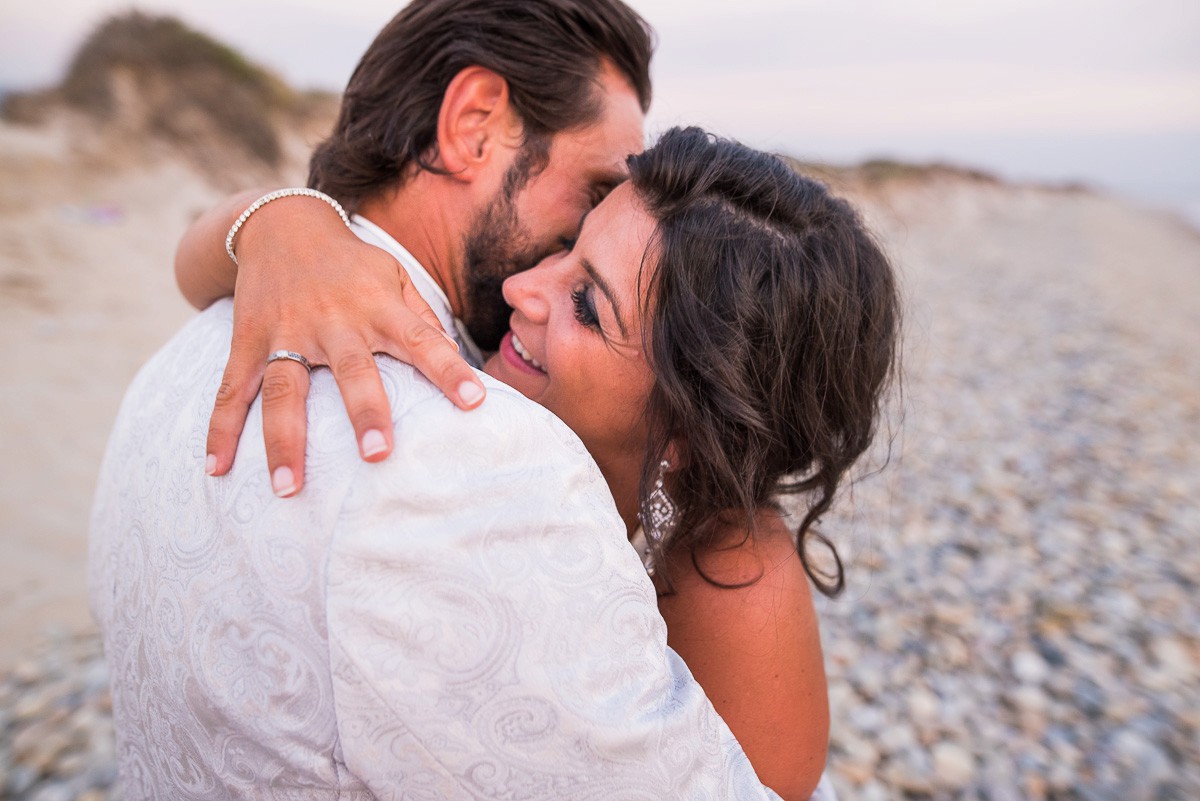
pixel 306 283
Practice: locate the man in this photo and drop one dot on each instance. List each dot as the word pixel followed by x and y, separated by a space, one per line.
pixel 464 619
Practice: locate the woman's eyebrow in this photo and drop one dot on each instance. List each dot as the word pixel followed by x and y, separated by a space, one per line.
pixel 608 293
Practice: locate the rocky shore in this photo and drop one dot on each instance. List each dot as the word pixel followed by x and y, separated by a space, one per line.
pixel 1021 620
pixel 56 730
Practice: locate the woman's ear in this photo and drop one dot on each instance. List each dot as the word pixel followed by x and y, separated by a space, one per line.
pixel 676 454
pixel 476 122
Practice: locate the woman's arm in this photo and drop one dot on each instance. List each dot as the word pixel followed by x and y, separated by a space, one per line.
pixel 202 267
pixel 306 283
pixel 756 651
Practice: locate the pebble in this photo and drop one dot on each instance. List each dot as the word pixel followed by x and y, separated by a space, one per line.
pixel 923 706
pixel 1175 660
pixel 953 766
pixel 1029 667
pixel 59 741
pixel 868 719
pixel 905 776
pixel 32 706
pixel 896 738
pixel 873 791
pixel 1029 700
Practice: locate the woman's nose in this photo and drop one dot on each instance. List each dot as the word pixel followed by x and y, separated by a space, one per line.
pixel 527 292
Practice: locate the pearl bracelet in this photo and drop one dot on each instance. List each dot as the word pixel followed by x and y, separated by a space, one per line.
pixel 276 195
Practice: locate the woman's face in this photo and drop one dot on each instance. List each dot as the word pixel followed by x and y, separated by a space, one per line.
pixel 575 344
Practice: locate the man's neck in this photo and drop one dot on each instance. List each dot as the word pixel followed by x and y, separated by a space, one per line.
pixel 419 217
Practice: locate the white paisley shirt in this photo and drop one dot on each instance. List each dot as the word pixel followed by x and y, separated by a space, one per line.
pixel 464 620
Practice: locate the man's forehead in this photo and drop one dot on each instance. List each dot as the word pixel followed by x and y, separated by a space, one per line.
pixel 599 149
pixel 597 152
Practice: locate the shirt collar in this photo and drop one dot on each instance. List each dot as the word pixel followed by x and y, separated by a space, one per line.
pixel 433 294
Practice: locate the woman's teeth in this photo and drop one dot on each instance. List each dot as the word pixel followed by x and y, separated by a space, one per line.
pixel 524 354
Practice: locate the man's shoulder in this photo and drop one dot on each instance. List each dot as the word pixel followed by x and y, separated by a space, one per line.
pixel 418 404
pixel 508 438
pixel 507 470
pixel 195 354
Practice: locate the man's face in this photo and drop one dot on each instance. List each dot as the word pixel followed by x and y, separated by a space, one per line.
pixel 530 219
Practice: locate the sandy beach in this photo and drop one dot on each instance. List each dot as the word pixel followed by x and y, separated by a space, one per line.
pixel 1021 618
pixel 86 296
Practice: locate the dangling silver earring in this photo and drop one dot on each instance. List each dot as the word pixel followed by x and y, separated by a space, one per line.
pixel 661 507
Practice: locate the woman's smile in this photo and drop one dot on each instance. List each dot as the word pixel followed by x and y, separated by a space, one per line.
pixel 515 353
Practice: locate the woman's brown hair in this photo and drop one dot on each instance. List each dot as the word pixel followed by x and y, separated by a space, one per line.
pixel 773 322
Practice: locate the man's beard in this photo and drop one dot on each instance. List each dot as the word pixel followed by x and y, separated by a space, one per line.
pixel 497 246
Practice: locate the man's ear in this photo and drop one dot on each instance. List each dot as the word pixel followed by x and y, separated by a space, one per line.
pixel 476 122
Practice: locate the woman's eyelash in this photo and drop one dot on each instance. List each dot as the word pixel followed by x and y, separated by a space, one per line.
pixel 585 311
pixel 567 243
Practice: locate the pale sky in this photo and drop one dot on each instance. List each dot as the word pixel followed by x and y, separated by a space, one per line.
pixel 1101 90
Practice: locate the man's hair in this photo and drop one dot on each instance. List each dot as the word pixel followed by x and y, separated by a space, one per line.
pixel 549 52
pixel 773 326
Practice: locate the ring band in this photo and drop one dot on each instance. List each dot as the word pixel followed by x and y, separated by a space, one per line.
pixel 290 355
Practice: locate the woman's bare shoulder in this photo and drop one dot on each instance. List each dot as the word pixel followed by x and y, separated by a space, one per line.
pixel 759 567
pixel 741 615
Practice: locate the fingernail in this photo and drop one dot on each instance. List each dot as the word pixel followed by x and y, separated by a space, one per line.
pixel 283 481
pixel 451 340
pixel 373 443
pixel 470 392
pixel 210 464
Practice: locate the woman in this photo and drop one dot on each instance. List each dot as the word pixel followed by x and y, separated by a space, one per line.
pixel 719 336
